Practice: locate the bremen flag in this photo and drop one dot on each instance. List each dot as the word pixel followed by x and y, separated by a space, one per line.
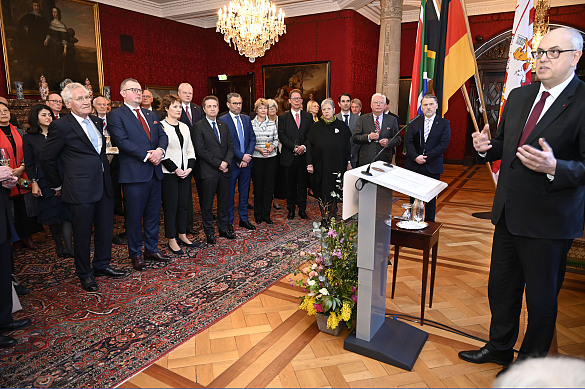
pixel 455 59
pixel 427 44
pixel 519 68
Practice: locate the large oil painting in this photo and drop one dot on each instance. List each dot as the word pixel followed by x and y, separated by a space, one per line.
pixel 312 78
pixel 59 39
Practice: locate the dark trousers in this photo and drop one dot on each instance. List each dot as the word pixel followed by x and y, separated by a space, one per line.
pixel 209 188
pixel 263 174
pixel 242 176
pixel 5 284
pixel 115 173
pixel 296 181
pixel 83 217
pixel 517 263
pixel 195 175
pixel 175 197
pixel 142 211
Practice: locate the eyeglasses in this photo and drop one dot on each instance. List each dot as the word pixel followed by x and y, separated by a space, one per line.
pixel 81 99
pixel 239 103
pixel 134 90
pixel 56 101
pixel 296 98
pixel 550 54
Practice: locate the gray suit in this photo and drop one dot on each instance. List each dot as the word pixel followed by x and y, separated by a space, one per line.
pixel 355 148
pixel 369 149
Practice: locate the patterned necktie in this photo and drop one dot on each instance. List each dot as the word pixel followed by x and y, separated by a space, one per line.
pixel 142 122
pixel 377 123
pixel 298 120
pixel 92 134
pixel 428 125
pixel 346 120
pixel 216 132
pixel 188 115
pixel 533 118
pixel 240 134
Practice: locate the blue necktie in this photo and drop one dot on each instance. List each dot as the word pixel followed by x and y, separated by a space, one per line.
pixel 240 134
pixel 216 132
pixel 346 120
pixel 92 134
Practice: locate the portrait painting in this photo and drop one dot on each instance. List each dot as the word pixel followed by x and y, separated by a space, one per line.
pixel 311 78
pixel 57 39
pixel 158 92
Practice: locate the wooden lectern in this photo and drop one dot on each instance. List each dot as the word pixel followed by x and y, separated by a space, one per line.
pixel 384 339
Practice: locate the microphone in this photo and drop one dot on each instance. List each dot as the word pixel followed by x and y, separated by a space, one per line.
pixel 367 171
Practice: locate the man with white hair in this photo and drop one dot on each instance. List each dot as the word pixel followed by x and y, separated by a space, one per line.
pixel 374 132
pixel 77 142
pixel 540 200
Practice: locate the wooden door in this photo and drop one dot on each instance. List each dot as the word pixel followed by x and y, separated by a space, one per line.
pixel 244 85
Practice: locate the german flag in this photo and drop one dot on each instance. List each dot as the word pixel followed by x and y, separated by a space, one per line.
pixel 455 60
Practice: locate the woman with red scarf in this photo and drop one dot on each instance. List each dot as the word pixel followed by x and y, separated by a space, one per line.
pixel 11 140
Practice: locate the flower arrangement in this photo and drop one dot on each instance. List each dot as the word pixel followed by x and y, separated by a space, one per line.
pixel 332 274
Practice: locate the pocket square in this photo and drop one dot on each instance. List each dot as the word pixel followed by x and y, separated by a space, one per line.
pixel 155 122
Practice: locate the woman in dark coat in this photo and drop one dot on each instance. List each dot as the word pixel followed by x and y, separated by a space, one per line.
pixel 328 157
pixel 51 211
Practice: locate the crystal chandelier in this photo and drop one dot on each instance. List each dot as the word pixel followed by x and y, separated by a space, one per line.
pixel 540 27
pixel 251 25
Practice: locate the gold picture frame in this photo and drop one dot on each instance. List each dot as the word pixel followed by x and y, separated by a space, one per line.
pixel 61 43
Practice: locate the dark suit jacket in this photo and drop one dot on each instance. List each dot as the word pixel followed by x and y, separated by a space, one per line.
pixel 196 114
pixel 86 173
pixel 129 136
pixel 288 132
pixel 249 136
pixel 535 206
pixel 355 148
pixel 368 150
pixel 209 151
pixel 4 217
pixel 433 148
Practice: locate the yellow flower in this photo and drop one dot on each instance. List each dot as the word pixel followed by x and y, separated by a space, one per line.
pixel 308 304
pixel 345 311
pixel 329 275
pixel 333 321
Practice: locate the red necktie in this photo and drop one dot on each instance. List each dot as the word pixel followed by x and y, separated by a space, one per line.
pixel 533 118
pixel 188 115
pixel 298 120
pixel 143 122
pixel 377 123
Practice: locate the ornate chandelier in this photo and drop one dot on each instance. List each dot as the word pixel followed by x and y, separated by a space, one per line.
pixel 252 26
pixel 540 27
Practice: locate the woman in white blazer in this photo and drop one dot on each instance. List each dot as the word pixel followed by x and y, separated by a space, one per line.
pixel 177 166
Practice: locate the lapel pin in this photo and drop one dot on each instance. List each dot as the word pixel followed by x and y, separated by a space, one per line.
pixel 336 130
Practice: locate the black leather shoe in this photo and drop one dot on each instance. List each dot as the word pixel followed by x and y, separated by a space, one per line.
pixel 230 228
pixel 210 239
pixel 247 225
pixel 157 257
pixel 485 355
pixel 176 252
pixel 268 220
pixel 192 244
pixel 109 272
pixel 258 221
pixel 227 235
pixel 138 262
pixel 303 214
pixel 7 341
pixel 89 284
pixel 291 215
pixel 16 325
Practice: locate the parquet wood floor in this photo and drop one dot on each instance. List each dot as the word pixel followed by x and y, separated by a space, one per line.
pixel 268 342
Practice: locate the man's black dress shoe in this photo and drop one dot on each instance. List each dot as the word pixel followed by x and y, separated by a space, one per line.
pixel 89 284
pixel 157 257
pixel 16 325
pixel 291 215
pixel 109 272
pixel 227 235
pixel 485 355
pixel 268 220
pixel 258 221
pixel 7 341
pixel 138 262
pixel 210 239
pixel 230 228
pixel 247 225
pixel 303 214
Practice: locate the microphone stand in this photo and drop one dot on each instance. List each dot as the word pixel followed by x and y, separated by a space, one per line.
pixel 367 171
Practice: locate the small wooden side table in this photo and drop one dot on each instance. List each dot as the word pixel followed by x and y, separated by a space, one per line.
pixel 424 240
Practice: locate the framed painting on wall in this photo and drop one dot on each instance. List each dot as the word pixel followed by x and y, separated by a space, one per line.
pixel 59 39
pixel 158 92
pixel 312 78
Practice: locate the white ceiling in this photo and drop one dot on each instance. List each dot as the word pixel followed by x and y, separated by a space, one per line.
pixel 203 13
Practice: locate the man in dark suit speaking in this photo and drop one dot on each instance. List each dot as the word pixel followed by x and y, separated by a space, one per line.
pixel 374 131
pixel 77 141
pixel 540 200
pixel 142 142
pixel 215 150
pixel 426 140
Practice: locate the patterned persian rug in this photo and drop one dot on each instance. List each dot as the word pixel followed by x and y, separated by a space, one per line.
pixel 81 339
